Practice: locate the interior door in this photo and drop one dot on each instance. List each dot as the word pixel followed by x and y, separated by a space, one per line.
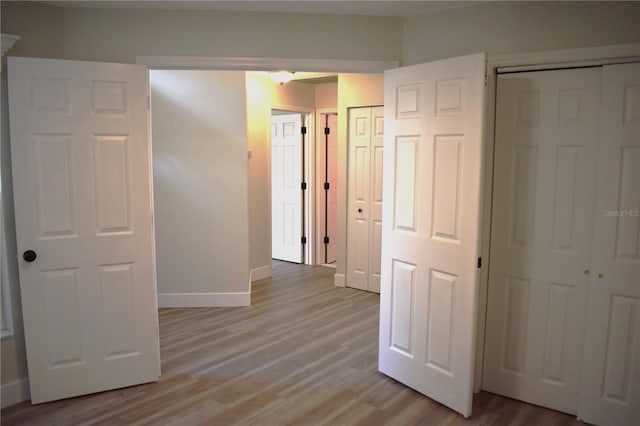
pixel 286 193
pixel 547 126
pixel 610 387
pixel 82 190
pixel 434 115
pixel 364 216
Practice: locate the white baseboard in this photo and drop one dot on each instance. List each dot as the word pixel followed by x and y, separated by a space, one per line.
pixel 203 300
pixel 14 392
pixel 260 273
pixel 339 280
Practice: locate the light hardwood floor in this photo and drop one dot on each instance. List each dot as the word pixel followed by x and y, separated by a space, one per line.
pixel 304 353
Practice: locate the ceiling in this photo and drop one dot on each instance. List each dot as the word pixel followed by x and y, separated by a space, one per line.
pixel 351 7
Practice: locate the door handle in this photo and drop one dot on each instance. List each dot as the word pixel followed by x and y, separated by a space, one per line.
pixel 359 210
pixel 29 256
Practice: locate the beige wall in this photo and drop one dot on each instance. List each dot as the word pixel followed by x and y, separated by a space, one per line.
pixel 41 32
pixel 326 95
pixel 120 35
pixel 354 90
pixel 516 27
pixel 200 181
pixel 40 28
pixel 263 95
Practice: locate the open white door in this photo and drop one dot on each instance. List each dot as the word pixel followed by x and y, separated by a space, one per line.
pixel 286 192
pixel 434 115
pixel 82 188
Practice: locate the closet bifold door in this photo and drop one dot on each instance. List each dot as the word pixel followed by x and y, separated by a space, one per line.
pixel 364 215
pixel 610 383
pixel 541 239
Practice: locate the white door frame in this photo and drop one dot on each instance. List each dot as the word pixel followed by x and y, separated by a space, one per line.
pixel 319 177
pixel 566 58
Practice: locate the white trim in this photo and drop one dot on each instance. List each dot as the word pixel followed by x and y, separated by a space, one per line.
pixel 260 273
pixel 553 59
pixel 14 392
pixel 340 280
pixel 203 300
pixel 265 64
pixel 565 58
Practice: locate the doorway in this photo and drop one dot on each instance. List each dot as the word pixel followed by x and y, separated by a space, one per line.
pixel 327 188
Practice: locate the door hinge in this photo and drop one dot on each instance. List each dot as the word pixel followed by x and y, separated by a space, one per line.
pixel 303 186
pixel 326 186
pixel 479 262
pixel 304 240
pixel 327 131
pixel 326 240
pixel 303 130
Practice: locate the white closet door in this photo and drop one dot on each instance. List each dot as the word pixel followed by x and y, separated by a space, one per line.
pixel 375 198
pixel 364 230
pixel 610 390
pixel 286 193
pixel 546 138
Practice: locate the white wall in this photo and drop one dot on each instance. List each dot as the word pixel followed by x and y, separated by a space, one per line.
pixel 200 186
pixel 516 27
pixel 263 95
pixel 354 90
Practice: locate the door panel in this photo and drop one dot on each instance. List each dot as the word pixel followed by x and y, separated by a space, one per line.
pixel 286 195
pixel 82 192
pixel 610 388
pixel 545 157
pixel 433 167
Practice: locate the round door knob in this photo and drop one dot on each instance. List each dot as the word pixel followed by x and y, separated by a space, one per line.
pixel 359 210
pixel 29 256
pixel 587 272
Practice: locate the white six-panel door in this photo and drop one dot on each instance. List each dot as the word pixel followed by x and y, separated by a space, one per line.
pixel 286 193
pixel 82 190
pixel 434 116
pixel 542 233
pixel 364 215
pixel 610 387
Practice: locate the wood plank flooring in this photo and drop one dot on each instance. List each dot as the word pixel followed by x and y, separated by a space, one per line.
pixel 304 353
